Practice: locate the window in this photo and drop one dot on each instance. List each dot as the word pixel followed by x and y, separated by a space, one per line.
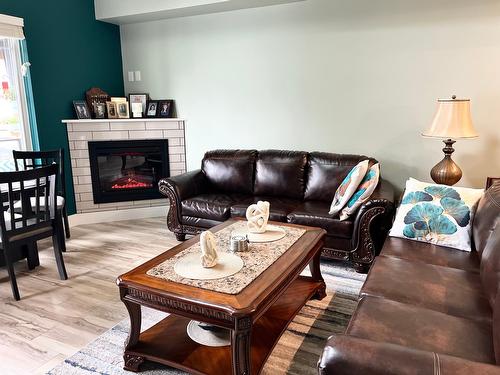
pixel 14 123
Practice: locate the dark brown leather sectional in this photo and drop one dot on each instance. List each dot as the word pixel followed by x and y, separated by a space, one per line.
pixel 427 309
pixel 299 186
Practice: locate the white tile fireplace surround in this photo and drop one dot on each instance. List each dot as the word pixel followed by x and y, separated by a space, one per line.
pixel 80 132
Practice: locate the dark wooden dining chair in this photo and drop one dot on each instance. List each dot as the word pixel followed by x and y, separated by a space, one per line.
pixel 34 159
pixel 37 187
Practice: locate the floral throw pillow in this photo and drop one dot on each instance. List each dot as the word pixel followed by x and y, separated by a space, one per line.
pixel 364 191
pixel 437 214
pixel 348 187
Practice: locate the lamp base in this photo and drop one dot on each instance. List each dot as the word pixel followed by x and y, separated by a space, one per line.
pixel 446 172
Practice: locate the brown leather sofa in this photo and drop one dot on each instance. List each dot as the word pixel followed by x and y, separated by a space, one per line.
pixel 299 186
pixel 427 309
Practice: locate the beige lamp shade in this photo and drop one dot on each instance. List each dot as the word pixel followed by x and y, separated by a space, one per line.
pixel 452 120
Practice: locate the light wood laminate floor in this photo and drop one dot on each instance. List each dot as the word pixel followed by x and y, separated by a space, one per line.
pixel 56 318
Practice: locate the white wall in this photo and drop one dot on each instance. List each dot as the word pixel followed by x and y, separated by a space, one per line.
pixel 359 76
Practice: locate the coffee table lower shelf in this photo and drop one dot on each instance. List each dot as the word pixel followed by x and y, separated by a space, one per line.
pixel 167 342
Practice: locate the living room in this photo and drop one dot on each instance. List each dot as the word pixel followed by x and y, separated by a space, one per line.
pixel 242 130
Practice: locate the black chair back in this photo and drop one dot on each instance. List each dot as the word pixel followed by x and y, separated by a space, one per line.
pixel 35 188
pixel 25 160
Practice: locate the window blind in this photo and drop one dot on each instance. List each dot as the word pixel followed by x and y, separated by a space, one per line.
pixel 11 27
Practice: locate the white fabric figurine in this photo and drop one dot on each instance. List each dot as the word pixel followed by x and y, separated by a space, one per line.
pixel 257 216
pixel 208 249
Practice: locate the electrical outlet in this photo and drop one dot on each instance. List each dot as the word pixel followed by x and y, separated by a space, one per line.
pixel 137 75
pixel 131 76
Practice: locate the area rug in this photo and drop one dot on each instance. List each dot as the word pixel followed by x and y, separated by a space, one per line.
pixel 297 352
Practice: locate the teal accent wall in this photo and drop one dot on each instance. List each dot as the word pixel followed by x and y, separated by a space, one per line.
pixel 69 52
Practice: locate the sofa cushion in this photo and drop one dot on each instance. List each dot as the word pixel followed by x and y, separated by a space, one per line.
pixel 490 266
pixel 436 214
pixel 325 172
pixel 487 217
pixel 280 173
pixel 383 320
pixel 448 290
pixel 208 206
pixel 315 214
pixel 365 189
pixel 430 254
pixel 230 170
pixel 279 207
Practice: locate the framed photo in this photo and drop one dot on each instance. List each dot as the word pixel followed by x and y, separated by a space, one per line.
pixel 122 109
pixel 100 110
pixel 152 108
pixel 165 108
pixel 118 99
pixel 81 109
pixel 111 107
pixel 139 98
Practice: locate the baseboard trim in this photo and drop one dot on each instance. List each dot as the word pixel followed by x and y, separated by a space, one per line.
pixel 117 215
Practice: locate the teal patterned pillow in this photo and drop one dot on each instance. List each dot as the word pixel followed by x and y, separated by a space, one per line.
pixel 438 214
pixel 363 193
pixel 348 187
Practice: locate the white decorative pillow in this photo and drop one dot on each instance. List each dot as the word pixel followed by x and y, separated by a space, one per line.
pixel 437 214
pixel 348 187
pixel 364 191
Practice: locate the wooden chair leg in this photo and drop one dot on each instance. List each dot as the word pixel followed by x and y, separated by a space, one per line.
pixel 66 223
pixel 56 243
pixel 12 275
pixel 33 259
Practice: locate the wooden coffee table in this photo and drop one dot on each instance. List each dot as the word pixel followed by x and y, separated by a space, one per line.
pixel 256 317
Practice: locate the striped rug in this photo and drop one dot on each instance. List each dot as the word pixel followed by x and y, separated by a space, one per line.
pixel 296 353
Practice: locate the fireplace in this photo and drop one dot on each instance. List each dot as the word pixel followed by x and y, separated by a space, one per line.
pixel 127 170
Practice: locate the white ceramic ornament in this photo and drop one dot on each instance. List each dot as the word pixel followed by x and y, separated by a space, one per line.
pixel 257 216
pixel 208 249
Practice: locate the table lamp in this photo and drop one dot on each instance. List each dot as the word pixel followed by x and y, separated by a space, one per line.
pixel 452 121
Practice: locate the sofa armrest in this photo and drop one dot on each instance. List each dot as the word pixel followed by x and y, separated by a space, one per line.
pixel 185 185
pixel 372 223
pixel 178 188
pixel 351 355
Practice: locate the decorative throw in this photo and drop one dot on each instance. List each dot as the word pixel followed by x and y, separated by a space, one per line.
pixel 437 214
pixel 364 191
pixel 348 187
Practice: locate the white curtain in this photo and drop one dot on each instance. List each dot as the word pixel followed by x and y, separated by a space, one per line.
pixel 11 27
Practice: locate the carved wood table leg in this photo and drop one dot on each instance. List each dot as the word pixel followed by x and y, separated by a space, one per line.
pixel 131 361
pixel 240 346
pixel 314 267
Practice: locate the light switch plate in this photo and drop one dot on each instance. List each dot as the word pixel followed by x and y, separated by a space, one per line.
pixel 137 75
pixel 131 76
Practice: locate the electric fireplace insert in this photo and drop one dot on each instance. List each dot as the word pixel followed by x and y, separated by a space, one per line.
pixel 127 170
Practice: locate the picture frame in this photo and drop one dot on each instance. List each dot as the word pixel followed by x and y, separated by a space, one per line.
pixel 139 98
pixel 165 108
pixel 118 99
pixel 111 109
pixel 96 95
pixel 81 109
pixel 100 110
pixel 152 108
pixel 122 109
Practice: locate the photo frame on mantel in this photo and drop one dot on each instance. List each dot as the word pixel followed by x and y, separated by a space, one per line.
pixel 152 108
pixel 139 98
pixel 165 108
pixel 111 109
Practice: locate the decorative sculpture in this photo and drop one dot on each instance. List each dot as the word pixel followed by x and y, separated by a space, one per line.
pixel 208 249
pixel 257 216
